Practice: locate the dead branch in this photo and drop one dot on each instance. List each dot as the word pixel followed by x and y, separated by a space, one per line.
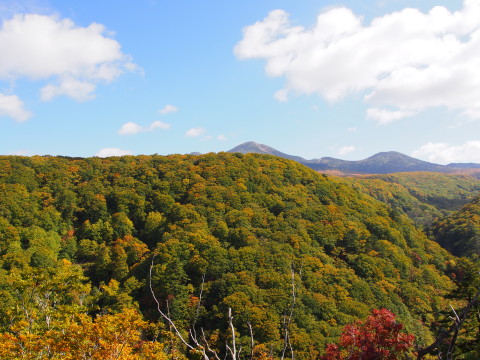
pixel 287 320
pixel 458 321
pixel 167 318
pixel 198 309
pixel 192 332
pixel 233 349
pixel 202 346
pixel 252 341
pixel 208 346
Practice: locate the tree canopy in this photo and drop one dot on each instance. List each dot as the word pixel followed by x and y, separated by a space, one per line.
pixel 288 250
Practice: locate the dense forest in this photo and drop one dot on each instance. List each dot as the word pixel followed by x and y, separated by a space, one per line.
pixel 460 232
pixel 423 196
pixel 151 257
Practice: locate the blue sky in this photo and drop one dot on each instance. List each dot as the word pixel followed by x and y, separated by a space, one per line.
pixel 311 78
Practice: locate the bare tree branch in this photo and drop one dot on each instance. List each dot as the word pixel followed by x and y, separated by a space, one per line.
pixel 167 318
pixel 233 349
pixel 454 328
pixel 287 320
pixel 252 341
pixel 194 335
pixel 199 347
pixel 208 346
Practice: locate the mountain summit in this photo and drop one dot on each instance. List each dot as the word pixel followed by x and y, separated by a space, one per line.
pixel 380 163
pixel 253 147
pixel 383 163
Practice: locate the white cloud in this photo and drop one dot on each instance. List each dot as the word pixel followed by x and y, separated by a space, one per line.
pixel 405 60
pixel 195 132
pixel 385 116
pixel 221 137
pixel 8 8
pixel 106 152
pixel 158 125
pixel 352 129
pixel 168 109
pixel 76 89
pixel 345 150
pixel 12 106
pixel 71 58
pixel 21 153
pixel 281 95
pixel 444 153
pixel 131 128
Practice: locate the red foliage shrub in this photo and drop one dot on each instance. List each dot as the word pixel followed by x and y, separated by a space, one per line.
pixel 379 338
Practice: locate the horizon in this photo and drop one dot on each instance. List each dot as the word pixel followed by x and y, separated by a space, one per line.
pixel 194 153
pixel 337 79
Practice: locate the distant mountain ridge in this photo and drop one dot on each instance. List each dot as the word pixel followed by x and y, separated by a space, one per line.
pixel 253 147
pixel 380 163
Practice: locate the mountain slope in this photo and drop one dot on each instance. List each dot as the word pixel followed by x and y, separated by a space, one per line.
pixel 384 163
pixel 253 147
pixel 218 231
pixel 464 165
pixel 256 148
pixel 381 163
pixel 423 196
pixel 460 232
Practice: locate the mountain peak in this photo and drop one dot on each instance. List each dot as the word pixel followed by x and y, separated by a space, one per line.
pixel 380 163
pixel 390 155
pixel 253 147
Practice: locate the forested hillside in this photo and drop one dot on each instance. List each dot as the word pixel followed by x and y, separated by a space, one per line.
pixel 423 196
pixel 446 192
pixel 294 254
pixel 460 232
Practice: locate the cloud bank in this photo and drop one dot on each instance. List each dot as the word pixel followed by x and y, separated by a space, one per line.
pixel 400 63
pixel 444 153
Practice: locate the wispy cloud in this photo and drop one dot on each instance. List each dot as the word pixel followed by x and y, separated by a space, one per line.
pixel 345 150
pixel 106 152
pixel 158 125
pixel 69 86
pixel 9 8
pixel 131 128
pixel 168 109
pixel 385 116
pixel 281 95
pixel 404 61
pixel 21 153
pixel 195 132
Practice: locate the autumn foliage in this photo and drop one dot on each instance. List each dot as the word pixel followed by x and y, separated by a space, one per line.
pixel 380 337
pixel 288 250
pixel 116 336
